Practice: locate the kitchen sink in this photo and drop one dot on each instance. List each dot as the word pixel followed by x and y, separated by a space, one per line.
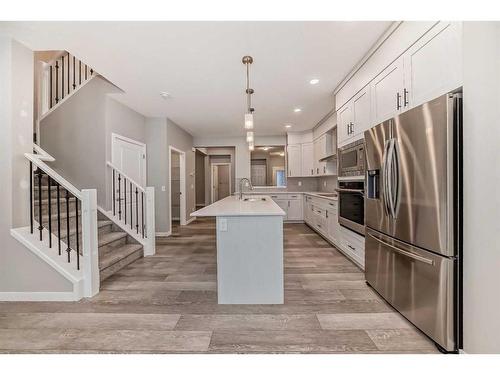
pixel 253 199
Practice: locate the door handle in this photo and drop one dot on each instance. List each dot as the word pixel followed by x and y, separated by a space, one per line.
pixel 404 252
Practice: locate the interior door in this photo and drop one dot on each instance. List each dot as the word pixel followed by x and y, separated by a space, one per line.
pixel 223 181
pixel 215 183
pixel 424 162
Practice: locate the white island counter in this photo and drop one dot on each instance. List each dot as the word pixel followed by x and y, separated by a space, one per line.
pixel 249 249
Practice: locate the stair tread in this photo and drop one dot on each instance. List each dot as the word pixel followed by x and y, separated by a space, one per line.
pixel 107 238
pixel 117 255
pixel 53 200
pixel 72 231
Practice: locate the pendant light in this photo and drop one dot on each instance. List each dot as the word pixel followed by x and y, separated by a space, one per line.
pixel 249 136
pixel 248 60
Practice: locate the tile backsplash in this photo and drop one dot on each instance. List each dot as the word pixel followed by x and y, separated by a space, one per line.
pixel 327 184
pixel 306 184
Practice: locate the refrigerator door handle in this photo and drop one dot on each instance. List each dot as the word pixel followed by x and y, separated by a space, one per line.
pixel 397 179
pixel 390 177
pixel 404 252
pixel 384 178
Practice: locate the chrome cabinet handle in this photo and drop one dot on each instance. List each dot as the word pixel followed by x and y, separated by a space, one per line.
pixel 405 97
pixel 398 101
pixel 404 252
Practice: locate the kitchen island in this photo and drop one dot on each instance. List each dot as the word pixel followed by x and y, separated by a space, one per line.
pixel 249 249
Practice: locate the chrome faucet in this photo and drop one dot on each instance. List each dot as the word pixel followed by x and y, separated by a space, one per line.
pixel 241 186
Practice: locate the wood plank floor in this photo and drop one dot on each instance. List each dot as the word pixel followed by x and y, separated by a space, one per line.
pixel 168 304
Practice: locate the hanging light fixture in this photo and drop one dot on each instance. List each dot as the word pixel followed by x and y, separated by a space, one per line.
pixel 248 60
pixel 250 146
pixel 249 136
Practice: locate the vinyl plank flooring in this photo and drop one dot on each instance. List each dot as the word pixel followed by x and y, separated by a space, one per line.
pixel 167 303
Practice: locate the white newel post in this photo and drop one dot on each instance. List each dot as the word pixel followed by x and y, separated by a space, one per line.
pixel 150 247
pixel 90 265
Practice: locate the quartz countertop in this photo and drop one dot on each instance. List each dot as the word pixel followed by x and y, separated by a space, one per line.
pixel 233 206
pixel 311 193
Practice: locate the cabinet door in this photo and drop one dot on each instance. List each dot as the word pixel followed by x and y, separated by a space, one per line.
pixel 361 110
pixel 332 220
pixel 294 209
pixel 344 119
pixel 294 160
pixel 387 92
pixel 307 159
pixel 283 203
pixel 433 65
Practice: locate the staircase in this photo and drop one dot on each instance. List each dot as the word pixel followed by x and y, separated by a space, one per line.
pixel 116 248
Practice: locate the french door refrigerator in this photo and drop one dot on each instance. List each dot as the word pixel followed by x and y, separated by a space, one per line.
pixel 413 216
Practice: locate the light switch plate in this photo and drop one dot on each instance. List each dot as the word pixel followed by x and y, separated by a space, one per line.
pixel 163 188
pixel 300 183
pixel 222 225
pixel 324 183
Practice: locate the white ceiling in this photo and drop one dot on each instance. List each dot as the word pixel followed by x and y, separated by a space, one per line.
pixel 199 64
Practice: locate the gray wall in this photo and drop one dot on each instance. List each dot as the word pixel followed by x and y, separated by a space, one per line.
pixel 481 202
pixel 20 269
pixel 75 135
pixel 161 133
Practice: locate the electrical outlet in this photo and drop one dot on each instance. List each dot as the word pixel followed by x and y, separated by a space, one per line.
pixel 300 183
pixel 222 225
pixel 324 183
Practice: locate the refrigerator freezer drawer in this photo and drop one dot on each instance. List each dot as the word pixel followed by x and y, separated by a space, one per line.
pixel 417 283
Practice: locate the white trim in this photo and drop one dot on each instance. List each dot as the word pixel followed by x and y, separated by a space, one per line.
pixel 182 172
pixel 39 296
pixel 190 220
pixel 212 178
pixel 163 234
pixel 115 137
pixel 90 255
pixel 120 223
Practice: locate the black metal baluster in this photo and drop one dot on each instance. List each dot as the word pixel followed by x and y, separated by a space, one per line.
pixel 136 211
pixel 68 249
pixel 31 197
pixel 125 197
pixel 119 197
pixel 49 184
pixel 40 226
pixel 91 72
pixel 62 77
pixel 68 75
pixel 77 237
pixel 142 213
pixel 79 72
pixel 74 73
pixel 85 72
pixel 131 210
pixel 57 82
pixel 50 89
pixel 58 220
pixel 114 198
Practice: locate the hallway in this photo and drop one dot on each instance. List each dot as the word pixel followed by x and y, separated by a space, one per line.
pixel 167 303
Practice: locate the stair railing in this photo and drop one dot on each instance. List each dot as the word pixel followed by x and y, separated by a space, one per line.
pixel 58 228
pixel 133 207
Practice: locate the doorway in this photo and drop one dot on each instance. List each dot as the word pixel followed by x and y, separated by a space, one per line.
pixel 220 181
pixel 176 183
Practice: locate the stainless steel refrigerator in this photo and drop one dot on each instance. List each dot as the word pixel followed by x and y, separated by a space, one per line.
pixel 413 216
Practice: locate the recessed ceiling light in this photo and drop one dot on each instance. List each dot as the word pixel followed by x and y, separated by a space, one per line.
pixel 165 95
pixel 297 110
pixel 314 81
pixel 288 126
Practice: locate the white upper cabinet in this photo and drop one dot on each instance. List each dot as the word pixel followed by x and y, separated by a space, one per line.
pixel 307 159
pixel 387 90
pixel 294 153
pixel 433 65
pixel 361 111
pixel 344 121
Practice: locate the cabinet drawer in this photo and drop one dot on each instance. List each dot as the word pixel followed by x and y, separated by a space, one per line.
pixel 353 245
pixel 294 196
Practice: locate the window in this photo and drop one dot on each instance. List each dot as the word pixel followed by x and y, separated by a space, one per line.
pixel 267 166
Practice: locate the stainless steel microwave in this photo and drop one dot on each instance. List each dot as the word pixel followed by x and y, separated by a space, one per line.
pixel 352 159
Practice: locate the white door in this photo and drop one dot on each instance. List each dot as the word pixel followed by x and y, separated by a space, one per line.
pixel 344 120
pixel 294 209
pixel 130 157
pixel 307 159
pixel 433 65
pixel 361 111
pixel 294 160
pixel 215 183
pixel 387 92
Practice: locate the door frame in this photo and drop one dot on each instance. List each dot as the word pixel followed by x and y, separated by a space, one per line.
pixel 212 179
pixel 114 137
pixel 182 176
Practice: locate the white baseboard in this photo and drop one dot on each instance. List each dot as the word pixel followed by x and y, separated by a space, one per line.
pixel 39 296
pixel 190 220
pixel 163 234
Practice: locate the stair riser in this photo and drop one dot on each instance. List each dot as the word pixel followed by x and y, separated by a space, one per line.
pixel 62 207
pixel 112 246
pixel 107 272
pixel 72 223
pixel 45 195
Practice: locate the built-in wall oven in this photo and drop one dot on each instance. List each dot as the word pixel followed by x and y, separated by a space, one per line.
pixel 352 205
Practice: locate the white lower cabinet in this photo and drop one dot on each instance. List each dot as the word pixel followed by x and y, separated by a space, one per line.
pixel 291 204
pixel 353 246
